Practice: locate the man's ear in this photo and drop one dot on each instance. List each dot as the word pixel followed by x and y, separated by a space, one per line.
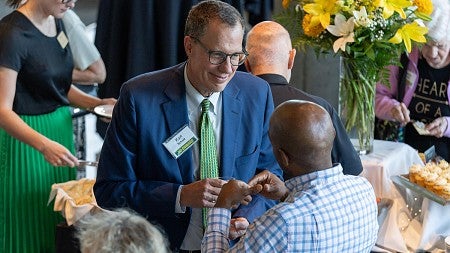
pixel 291 58
pixel 247 66
pixel 284 158
pixel 187 45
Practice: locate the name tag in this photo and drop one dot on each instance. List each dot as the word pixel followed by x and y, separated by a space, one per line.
pixel 62 39
pixel 180 141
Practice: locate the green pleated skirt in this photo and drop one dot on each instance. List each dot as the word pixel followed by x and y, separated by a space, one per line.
pixel 27 223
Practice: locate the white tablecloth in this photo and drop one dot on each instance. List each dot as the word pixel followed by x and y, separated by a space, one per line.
pixel 411 222
pixel 386 160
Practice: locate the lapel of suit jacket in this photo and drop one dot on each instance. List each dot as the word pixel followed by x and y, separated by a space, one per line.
pixel 176 116
pixel 231 113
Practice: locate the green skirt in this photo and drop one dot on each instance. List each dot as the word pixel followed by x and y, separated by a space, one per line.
pixel 27 223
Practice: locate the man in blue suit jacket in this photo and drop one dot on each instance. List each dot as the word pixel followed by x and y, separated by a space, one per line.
pixel 135 168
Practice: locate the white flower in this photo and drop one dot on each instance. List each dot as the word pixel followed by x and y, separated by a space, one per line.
pixel 361 18
pixel 344 29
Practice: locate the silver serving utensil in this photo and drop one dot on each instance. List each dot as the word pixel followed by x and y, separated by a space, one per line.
pixel 87 163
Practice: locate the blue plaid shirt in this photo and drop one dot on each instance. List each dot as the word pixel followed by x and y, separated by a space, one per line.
pixel 326 211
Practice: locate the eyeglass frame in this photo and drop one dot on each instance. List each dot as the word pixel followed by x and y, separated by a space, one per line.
pixel 224 55
pixel 68 1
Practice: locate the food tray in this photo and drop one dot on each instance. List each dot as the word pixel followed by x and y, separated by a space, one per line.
pixel 403 180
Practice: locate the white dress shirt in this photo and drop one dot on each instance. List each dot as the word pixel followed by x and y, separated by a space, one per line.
pixel 194 234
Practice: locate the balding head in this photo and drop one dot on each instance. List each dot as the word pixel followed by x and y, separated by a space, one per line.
pixel 302 136
pixel 270 50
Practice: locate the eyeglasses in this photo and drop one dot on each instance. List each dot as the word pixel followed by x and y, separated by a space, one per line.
pixel 218 57
pixel 68 1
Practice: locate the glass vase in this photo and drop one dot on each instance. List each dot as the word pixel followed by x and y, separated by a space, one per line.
pixel 356 102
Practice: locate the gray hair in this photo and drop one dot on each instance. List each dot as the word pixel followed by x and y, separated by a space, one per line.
pixel 120 231
pixel 204 12
pixel 439 26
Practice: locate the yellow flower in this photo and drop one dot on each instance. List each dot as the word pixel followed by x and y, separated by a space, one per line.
pixel 311 31
pixel 285 3
pixel 391 6
pixel 410 32
pixel 321 10
pixel 424 6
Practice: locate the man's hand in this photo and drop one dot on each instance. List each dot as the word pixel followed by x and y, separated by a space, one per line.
pixel 201 193
pixel 270 186
pixel 238 226
pixel 233 193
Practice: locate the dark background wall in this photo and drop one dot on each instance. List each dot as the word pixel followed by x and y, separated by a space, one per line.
pixel 316 76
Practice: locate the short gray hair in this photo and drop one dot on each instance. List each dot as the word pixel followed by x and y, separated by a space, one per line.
pixel 120 231
pixel 205 12
pixel 439 26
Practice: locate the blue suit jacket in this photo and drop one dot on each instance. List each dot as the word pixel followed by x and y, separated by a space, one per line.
pixel 136 171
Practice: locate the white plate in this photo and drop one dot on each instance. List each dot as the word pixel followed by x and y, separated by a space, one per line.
pixel 104 110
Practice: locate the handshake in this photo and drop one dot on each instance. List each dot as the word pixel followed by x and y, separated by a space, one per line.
pixel 237 192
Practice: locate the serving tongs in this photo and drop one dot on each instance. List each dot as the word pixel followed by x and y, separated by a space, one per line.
pixel 87 163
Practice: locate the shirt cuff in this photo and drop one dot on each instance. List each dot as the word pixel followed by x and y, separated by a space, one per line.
pixel 219 220
pixel 178 207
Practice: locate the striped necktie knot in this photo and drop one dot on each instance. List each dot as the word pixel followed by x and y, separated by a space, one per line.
pixel 205 105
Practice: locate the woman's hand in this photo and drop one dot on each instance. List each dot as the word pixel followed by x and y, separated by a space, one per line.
pixel 400 113
pixel 58 155
pixel 437 127
pixel 107 101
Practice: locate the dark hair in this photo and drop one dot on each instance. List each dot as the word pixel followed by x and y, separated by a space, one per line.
pixel 13 3
pixel 204 12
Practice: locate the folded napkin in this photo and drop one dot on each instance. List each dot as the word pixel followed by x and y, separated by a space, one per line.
pixel 74 199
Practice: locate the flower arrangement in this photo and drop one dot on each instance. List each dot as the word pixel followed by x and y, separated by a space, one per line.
pixel 369 35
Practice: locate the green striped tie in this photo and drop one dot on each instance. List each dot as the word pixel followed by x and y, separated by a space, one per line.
pixel 208 158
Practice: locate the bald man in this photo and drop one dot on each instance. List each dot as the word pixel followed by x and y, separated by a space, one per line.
pixel 322 210
pixel 271 57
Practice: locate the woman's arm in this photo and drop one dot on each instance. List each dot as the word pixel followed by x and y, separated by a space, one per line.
pixel 55 153
pixel 385 100
pixel 80 99
pixel 95 73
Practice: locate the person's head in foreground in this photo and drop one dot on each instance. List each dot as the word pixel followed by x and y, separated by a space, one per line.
pixel 214 32
pixel 120 231
pixel 437 49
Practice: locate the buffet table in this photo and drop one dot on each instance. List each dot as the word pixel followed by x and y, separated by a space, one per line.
pixel 409 222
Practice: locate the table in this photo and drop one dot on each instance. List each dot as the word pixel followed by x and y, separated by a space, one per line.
pixel 411 222
pixel 388 159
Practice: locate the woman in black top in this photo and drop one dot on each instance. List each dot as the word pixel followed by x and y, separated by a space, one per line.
pixel 426 88
pixel 36 136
